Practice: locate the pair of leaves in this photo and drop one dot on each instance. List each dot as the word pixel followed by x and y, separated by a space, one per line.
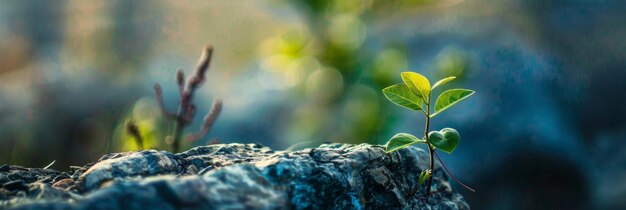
pixel 416 90
pixel 446 140
pixel 420 85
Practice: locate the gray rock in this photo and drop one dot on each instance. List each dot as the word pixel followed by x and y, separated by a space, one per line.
pixel 144 163
pixel 240 176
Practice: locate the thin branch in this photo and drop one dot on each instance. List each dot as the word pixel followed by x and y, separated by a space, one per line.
pixel 185 99
pixel 186 110
pixel 180 80
pixel 430 147
pixel 201 69
pixel 190 113
pixel 195 81
pixel 208 121
pixel 159 98
pixel 453 177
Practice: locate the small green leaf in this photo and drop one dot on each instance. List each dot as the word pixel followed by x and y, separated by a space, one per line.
pixel 424 176
pixel 443 81
pixel 417 83
pixel 449 98
pixel 446 139
pixel 401 141
pixel 401 95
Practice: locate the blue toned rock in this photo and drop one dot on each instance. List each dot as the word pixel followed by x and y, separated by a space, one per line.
pixel 243 176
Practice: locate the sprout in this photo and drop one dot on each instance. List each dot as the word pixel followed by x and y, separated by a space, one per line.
pixel 415 94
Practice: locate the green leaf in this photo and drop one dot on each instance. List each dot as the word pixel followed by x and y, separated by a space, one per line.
pixel 417 83
pixel 401 141
pixel 424 176
pixel 446 139
pixel 443 81
pixel 401 95
pixel 449 98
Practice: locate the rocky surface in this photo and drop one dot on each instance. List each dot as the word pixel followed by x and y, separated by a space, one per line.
pixel 233 176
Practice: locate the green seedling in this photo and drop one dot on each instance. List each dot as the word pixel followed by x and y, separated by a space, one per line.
pixel 415 94
pixel 424 176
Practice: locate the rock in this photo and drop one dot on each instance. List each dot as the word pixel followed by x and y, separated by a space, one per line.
pixel 144 163
pixel 15 185
pixel 240 176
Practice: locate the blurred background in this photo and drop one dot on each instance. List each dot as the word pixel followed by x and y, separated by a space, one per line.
pixel 545 129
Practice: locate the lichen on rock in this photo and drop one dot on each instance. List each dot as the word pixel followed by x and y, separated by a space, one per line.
pixel 234 176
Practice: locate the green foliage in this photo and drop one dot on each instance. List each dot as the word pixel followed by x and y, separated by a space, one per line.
pixel 414 94
pixel 443 81
pixel 446 140
pixel 424 176
pixel 401 141
pixel 401 95
pixel 417 83
pixel 449 98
